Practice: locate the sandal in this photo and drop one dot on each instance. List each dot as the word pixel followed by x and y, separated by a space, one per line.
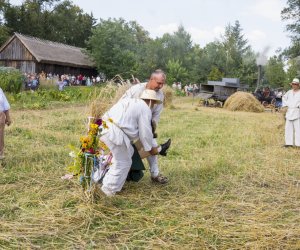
pixel 160 179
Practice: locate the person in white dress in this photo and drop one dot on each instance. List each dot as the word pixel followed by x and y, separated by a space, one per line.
pixel 128 120
pixel 291 100
pixel 156 82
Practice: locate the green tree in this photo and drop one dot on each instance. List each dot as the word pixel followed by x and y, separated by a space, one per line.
pixel 114 45
pixel 235 47
pixel 50 19
pixel 293 71
pixel 178 44
pixel 274 72
pixel 70 24
pixel 291 14
pixel 215 74
pixel 175 72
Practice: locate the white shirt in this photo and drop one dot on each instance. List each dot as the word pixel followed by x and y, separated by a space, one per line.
pixel 4 105
pixel 136 91
pixel 131 120
pixel 291 99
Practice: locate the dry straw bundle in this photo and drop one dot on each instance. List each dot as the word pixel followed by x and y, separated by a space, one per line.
pixel 242 101
pixel 168 93
pixel 112 93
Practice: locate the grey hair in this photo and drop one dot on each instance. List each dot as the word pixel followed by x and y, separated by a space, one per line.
pixel 158 72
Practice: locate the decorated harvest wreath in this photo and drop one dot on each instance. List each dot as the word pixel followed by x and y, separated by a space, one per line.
pixel 92 160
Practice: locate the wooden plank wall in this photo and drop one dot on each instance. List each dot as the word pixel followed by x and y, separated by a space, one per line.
pixel 15 50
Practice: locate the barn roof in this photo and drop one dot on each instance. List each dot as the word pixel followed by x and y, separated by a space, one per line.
pixel 50 52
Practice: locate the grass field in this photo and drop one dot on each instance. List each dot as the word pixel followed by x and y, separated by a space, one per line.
pixel 232 186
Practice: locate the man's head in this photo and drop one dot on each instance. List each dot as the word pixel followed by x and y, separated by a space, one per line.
pixel 150 97
pixel 295 84
pixel 157 80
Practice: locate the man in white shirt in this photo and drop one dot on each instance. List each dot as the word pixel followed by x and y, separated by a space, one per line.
pixel 156 82
pixel 291 100
pixel 4 119
pixel 128 120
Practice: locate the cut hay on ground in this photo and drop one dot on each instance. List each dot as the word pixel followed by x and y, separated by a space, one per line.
pixel 242 101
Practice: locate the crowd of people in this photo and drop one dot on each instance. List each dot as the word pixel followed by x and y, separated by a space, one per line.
pixel 188 89
pixel 32 80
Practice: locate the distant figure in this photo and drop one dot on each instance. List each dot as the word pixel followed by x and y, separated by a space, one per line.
pixel 267 96
pixel 291 100
pixel 4 119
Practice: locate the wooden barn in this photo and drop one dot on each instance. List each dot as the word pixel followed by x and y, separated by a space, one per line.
pixel 34 55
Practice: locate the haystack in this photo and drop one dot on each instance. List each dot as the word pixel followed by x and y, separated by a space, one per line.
pixel 242 101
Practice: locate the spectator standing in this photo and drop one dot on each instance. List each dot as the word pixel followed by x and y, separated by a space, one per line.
pixel 291 100
pixel 4 119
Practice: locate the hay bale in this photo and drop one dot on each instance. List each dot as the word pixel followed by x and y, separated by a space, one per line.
pixel 243 101
pixel 168 93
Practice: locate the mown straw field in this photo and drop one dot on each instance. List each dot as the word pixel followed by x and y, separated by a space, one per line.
pixel 232 186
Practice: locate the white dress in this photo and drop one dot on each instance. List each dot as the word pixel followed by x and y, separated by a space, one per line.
pixel 135 92
pixel 292 125
pixel 131 119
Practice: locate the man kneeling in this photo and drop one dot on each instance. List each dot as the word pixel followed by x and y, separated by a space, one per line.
pixel 127 120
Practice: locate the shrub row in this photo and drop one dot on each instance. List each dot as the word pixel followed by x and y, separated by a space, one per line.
pixel 11 79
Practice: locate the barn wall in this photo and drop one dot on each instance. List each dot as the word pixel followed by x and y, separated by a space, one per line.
pixel 15 50
pixel 23 66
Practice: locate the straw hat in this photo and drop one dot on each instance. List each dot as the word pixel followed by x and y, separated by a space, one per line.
pixel 149 94
pixel 295 81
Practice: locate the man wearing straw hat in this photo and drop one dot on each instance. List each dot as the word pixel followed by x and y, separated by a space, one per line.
pixel 156 82
pixel 128 120
pixel 291 100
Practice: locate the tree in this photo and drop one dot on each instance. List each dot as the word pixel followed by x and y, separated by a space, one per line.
pixel 70 24
pixel 175 72
pixel 114 45
pixel 50 19
pixel 293 70
pixel 274 72
pixel 291 14
pixel 177 46
pixel 215 74
pixel 235 47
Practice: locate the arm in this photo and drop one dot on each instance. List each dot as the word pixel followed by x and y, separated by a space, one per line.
pixel 7 117
pixel 6 108
pixel 285 100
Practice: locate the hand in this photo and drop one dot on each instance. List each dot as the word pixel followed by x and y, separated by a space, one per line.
pixel 8 121
pixel 153 151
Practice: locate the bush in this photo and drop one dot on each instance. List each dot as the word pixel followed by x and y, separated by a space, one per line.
pixel 43 98
pixel 11 79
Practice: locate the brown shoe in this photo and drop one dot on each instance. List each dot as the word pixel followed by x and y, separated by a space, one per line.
pixel 160 179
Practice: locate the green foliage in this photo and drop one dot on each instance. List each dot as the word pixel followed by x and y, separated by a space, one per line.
pixel 11 79
pixel 274 72
pixel 114 46
pixel 44 98
pixel 54 20
pixel 293 71
pixel 215 74
pixel 291 14
pixel 175 72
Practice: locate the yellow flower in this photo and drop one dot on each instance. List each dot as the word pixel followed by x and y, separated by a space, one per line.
pixel 103 145
pixel 111 120
pixel 104 124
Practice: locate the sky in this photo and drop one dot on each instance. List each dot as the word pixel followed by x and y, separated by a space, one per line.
pixel 205 20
